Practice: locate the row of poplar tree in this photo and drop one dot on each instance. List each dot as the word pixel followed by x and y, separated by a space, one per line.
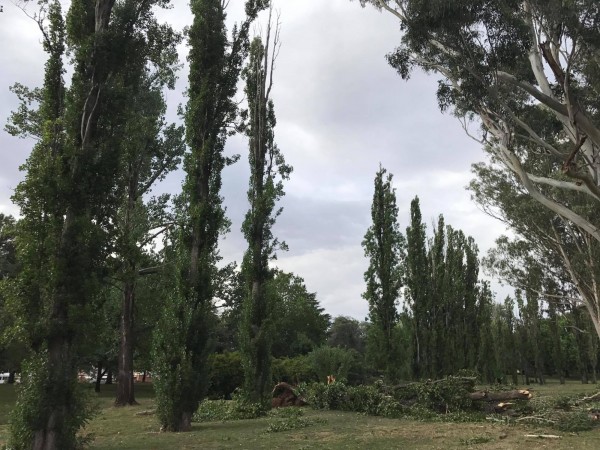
pixel 430 316
pixel 88 217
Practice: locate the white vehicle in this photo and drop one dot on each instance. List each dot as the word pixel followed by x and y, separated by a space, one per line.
pixel 4 377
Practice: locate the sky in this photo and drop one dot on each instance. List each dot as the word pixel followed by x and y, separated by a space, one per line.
pixel 341 111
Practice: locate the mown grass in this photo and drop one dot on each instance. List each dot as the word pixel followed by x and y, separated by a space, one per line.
pixel 121 429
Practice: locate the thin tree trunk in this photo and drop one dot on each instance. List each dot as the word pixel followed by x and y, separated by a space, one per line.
pixel 11 377
pixel 99 374
pixel 125 387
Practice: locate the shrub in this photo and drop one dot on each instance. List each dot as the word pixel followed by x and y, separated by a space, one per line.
pixel 332 361
pixel 225 410
pixel 293 370
pixel 226 374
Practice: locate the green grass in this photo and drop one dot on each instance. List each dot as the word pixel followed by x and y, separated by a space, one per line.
pixel 121 429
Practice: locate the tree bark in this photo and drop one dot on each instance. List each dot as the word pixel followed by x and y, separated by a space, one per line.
pixel 517 394
pixel 125 387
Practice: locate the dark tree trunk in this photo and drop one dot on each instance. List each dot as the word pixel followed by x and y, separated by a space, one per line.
pixel 61 373
pixel 125 389
pixel 109 377
pixel 11 377
pixel 99 374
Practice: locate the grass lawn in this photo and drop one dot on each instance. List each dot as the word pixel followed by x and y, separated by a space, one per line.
pixel 120 429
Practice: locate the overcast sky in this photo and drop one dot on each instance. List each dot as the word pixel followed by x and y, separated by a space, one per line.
pixel 341 110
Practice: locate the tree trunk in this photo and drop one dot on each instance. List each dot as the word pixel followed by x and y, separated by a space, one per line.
pixel 109 376
pixel 60 375
pixel 11 377
pixel 99 374
pixel 518 394
pixel 125 388
pixel 185 423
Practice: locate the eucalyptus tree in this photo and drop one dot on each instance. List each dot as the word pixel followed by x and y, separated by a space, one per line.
pixel 184 337
pixel 384 246
pixel 268 170
pixel 566 254
pixel 66 200
pixel 527 71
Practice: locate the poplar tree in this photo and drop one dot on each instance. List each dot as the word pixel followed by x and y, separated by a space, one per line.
pixel 418 290
pixel 383 245
pixel 184 338
pixel 268 170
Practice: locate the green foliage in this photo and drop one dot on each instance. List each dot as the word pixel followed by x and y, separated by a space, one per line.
pixel 226 410
pixel 574 422
pixel 445 396
pixel 293 370
pixel 371 400
pixel 30 408
pixel 285 419
pixel 300 323
pixel 348 333
pixel 226 374
pixel 334 361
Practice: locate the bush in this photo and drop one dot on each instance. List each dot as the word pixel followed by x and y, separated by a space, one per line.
pixel 293 370
pixel 332 361
pixel 226 374
pixel 225 410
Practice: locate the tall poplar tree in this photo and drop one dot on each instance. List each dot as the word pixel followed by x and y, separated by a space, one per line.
pixel 268 170
pixel 418 290
pixel 183 340
pixel 383 245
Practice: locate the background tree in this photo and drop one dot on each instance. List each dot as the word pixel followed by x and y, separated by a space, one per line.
pixel 12 352
pixel 348 333
pixel 152 149
pixel 541 125
pixel 384 246
pixel 267 172
pixel 300 323
pixel 418 291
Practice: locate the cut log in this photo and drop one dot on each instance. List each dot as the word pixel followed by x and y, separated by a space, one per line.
pixel 518 394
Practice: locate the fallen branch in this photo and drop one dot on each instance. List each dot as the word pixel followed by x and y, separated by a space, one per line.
pixel 591 398
pixel 536 418
pixel 543 436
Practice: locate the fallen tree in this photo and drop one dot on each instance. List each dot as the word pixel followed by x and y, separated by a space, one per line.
pixel 286 395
